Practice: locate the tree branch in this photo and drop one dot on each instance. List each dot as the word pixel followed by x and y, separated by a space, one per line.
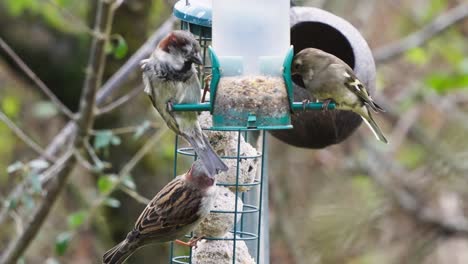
pixel 387 175
pixel 116 81
pixel 36 79
pixel 17 246
pixel 120 101
pixel 68 132
pixel 26 139
pixel 438 25
pixel 94 72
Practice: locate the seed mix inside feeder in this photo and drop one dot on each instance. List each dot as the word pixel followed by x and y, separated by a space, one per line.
pixel 254 95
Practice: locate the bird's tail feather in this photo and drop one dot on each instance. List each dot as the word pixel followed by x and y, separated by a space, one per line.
pixel 117 254
pixel 201 145
pixel 374 127
pixel 375 107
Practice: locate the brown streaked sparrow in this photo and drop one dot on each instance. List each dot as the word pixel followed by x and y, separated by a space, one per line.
pixel 171 78
pixel 328 79
pixel 175 211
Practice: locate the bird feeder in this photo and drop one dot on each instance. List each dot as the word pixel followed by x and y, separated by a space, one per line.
pixel 251 85
pixel 247 56
pixel 248 60
pixel 233 229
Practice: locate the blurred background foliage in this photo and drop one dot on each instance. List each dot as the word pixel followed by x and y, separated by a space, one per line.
pixel 335 205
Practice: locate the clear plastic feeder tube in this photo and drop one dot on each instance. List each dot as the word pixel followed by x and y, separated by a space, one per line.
pixel 253 35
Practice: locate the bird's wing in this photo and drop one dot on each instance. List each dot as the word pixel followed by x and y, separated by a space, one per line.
pixel 173 208
pixel 149 90
pixel 354 85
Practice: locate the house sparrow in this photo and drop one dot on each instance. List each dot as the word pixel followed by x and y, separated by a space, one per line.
pixel 171 78
pixel 175 211
pixel 328 78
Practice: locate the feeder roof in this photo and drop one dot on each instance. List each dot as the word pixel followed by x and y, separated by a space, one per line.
pixel 197 12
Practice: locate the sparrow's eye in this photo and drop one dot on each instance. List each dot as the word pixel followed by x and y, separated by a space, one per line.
pixel 297 66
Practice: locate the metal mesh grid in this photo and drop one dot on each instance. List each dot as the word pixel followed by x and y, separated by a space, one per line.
pixel 250 213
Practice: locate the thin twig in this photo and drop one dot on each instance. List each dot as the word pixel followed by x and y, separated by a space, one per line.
pixel 82 161
pixel 125 130
pixel 94 70
pixel 135 195
pixel 128 167
pixel 125 171
pixel 96 160
pixel 36 79
pixel 76 22
pixel 119 102
pixel 438 25
pixel 25 138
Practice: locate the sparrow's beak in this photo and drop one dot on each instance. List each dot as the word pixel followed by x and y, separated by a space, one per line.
pixel 197 58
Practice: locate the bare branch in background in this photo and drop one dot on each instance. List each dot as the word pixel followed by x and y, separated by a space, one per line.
pixel 116 81
pixel 121 101
pixel 63 167
pixel 18 245
pixel 36 79
pixel 76 22
pixel 434 28
pixel 25 138
pixel 388 176
pixel 125 171
pixel 68 132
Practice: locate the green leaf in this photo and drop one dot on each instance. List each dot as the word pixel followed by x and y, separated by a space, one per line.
pixel 129 182
pixel 76 219
pixel 11 204
pixel 444 82
pixel 21 261
pixel 44 110
pixel 35 183
pixel 38 164
pixel 28 201
pixel 115 140
pixel 62 242
pixel 411 156
pixel 18 165
pixel 112 202
pixel 10 106
pixel 119 46
pixel 417 56
pixel 141 129
pixel 106 183
pixel 103 139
